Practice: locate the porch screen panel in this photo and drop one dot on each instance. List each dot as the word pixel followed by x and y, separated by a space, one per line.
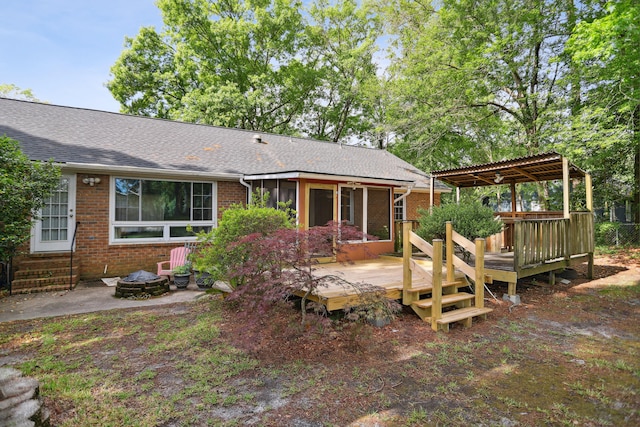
pixel 352 206
pixel 271 186
pixel 379 212
pixel 288 193
pixel 280 191
pixel 320 206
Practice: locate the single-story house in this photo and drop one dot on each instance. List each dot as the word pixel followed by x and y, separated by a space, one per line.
pixel 131 185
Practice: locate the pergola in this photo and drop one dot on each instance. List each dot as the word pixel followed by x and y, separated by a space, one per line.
pixel 539 168
pixel 532 242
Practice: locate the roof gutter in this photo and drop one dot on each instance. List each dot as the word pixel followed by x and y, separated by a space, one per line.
pixel 110 169
pixel 328 177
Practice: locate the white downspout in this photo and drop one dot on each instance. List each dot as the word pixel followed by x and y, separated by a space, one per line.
pixel 243 182
pixel 404 195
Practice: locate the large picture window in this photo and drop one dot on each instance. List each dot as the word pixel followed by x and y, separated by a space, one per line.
pixel 161 210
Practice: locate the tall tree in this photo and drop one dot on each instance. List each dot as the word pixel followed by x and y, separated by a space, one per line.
pixel 344 38
pixel 606 129
pixel 479 78
pixel 237 63
pixel 264 65
pixel 9 90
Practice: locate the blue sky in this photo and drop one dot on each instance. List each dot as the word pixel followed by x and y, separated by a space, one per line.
pixel 63 49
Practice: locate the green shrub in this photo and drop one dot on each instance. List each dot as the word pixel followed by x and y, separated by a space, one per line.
pixel 24 189
pixel 219 252
pixel 472 220
pixel 605 232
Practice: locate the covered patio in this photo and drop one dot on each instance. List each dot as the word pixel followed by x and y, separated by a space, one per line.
pixel 538 241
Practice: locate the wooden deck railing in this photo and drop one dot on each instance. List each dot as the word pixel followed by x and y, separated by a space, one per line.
pixel 582 233
pixel 537 241
pixel 398 232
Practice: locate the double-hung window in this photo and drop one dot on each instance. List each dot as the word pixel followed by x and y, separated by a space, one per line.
pixel 158 210
pixel 398 210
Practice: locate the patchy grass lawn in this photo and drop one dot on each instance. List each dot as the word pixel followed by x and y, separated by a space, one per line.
pixel 569 355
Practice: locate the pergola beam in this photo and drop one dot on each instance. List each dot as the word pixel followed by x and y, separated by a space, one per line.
pixel 525 173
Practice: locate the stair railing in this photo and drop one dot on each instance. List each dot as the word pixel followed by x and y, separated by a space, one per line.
pixel 73 242
pixel 453 261
pixel 410 239
pixel 435 252
pixel 436 291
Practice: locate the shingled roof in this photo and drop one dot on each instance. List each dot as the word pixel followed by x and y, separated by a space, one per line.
pixel 104 140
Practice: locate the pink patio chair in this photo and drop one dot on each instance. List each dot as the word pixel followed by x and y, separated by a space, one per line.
pixel 178 257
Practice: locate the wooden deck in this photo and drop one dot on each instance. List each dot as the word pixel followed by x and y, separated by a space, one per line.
pixel 384 272
pixel 502 267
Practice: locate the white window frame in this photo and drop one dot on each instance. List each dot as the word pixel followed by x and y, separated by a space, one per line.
pixel 166 225
pixel 402 205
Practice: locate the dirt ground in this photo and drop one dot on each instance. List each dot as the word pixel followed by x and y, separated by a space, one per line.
pixel 569 354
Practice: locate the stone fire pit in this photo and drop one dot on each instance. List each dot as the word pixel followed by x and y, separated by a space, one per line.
pixel 140 284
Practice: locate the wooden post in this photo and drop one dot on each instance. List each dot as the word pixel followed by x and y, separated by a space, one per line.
pixel 449 248
pixel 589 192
pixel 518 250
pixel 479 302
pixel 565 187
pixel 432 197
pixel 406 261
pixel 436 292
pixel 514 203
pixel 457 195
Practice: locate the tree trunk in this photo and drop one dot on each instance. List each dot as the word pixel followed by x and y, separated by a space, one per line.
pixel 635 208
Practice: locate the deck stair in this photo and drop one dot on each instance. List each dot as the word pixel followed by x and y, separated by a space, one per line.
pixel 43 273
pixel 437 298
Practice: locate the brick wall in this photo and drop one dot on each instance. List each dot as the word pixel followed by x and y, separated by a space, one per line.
pixel 230 193
pixel 415 201
pixel 93 252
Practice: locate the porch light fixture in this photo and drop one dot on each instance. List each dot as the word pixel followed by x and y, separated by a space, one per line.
pixel 90 181
pixel 498 179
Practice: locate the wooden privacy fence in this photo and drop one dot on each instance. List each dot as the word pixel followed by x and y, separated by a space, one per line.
pixel 537 241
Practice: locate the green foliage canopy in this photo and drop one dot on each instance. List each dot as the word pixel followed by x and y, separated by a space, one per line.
pixel 606 127
pixel 24 188
pixel 263 65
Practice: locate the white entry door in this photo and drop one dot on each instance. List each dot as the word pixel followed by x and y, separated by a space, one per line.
pixel 54 230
